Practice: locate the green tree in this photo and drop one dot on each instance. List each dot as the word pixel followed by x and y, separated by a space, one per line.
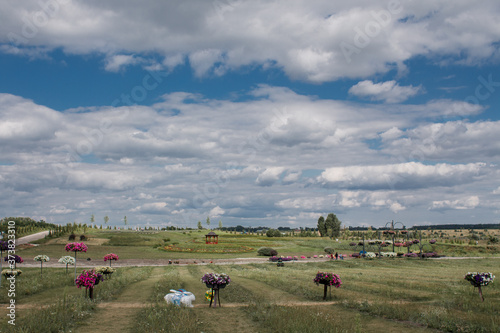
pixel 199 225
pixel 208 222
pixel 106 219
pixel 220 224
pixel 92 218
pixel 322 226
pixel 333 224
pixel 125 221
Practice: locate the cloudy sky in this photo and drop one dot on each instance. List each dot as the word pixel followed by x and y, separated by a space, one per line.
pixel 251 112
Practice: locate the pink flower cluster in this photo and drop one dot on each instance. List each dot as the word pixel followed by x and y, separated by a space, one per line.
pixel 110 256
pixel 328 279
pixel 76 247
pixel 88 279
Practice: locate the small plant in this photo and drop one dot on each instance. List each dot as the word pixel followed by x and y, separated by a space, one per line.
pixel 110 257
pixel 328 280
pixel 89 279
pixel 105 270
pixel 76 247
pixel 13 260
pixel 216 279
pixel 67 260
pixel 8 273
pixel 479 280
pixel 41 258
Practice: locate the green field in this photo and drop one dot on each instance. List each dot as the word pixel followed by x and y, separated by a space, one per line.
pixel 379 295
pixel 191 244
pixel 376 295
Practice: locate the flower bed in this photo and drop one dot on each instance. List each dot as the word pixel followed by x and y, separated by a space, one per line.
pixel 202 248
pixel 274 258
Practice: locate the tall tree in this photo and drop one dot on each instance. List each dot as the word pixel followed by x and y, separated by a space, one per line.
pixel 106 219
pixel 208 222
pixel 199 225
pixel 333 224
pixel 220 224
pixel 92 218
pixel 322 226
pixel 125 221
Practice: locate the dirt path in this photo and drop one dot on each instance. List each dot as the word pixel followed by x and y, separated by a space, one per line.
pixel 118 315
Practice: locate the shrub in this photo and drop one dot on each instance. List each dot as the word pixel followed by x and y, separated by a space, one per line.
pixel 267 251
pixel 493 240
pixel 72 237
pixel 83 237
pixel 273 233
pixel 329 250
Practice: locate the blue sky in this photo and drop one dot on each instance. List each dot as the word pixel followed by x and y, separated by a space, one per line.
pixel 250 112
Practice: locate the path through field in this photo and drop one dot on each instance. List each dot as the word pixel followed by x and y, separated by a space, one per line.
pixel 118 315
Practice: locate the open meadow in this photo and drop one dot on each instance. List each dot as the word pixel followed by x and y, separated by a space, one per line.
pixel 376 295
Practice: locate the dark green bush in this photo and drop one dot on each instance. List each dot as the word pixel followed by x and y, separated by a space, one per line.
pixel 329 250
pixel 267 251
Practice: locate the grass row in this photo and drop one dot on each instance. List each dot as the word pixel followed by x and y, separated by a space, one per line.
pixel 64 306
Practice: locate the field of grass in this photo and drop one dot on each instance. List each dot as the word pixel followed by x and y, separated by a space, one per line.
pixel 191 244
pixel 391 295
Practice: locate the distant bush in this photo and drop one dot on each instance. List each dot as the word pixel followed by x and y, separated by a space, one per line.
pixel 72 237
pixel 329 250
pixel 83 237
pixel 267 251
pixel 493 240
pixel 273 233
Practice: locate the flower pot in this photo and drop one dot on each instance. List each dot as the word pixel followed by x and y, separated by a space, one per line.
pixel 222 286
pixel 209 285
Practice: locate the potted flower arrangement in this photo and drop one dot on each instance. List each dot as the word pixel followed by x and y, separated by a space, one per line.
pixel 105 270
pixel 215 281
pixel 328 280
pixel 67 260
pixel 41 258
pixel 14 259
pixel 8 273
pixel 88 279
pixel 479 279
pixel 76 247
pixel 110 257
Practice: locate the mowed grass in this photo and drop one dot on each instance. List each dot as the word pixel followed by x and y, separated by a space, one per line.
pixel 389 295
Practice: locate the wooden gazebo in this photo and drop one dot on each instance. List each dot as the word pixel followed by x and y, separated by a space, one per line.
pixel 211 238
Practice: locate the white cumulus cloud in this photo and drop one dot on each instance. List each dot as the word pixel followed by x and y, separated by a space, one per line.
pixel 389 91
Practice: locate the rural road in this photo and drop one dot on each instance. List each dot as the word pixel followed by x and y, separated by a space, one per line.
pixel 31 238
